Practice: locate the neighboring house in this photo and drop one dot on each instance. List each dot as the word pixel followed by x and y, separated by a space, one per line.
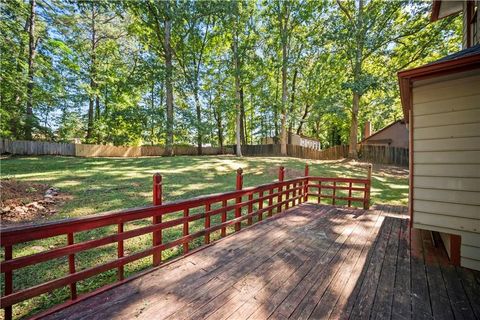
pixel 296 140
pixel 393 135
pixel 441 102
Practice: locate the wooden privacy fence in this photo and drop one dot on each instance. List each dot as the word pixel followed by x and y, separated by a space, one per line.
pixel 21 147
pixel 334 153
pixel 383 154
pixel 368 153
pixel 219 214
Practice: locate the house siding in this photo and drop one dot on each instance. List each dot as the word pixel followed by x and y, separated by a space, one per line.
pixel 397 133
pixel 446 161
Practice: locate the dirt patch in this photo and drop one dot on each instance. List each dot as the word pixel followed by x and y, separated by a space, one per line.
pixel 23 202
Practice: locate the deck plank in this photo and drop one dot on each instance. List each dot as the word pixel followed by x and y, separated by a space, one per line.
pixel 363 238
pixel 363 304
pixel 440 301
pixel 212 302
pixel 421 306
pixel 401 307
pixel 313 261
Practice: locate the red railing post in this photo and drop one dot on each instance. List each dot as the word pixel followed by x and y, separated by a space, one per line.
pixel 8 282
pixel 224 218
pixel 305 183
pixel 281 177
pixel 157 200
pixel 366 203
pixel 260 206
pixel 71 267
pixel 185 229
pixel 120 252
pixel 334 194
pixel 250 208
pixel 207 222
pixel 239 186
pixel 349 194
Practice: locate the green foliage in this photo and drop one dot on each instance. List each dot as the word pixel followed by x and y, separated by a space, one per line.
pixel 99 67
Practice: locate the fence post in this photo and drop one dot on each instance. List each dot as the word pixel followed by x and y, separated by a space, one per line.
pixel 239 186
pixel 281 177
pixel 157 200
pixel 305 188
pixel 366 203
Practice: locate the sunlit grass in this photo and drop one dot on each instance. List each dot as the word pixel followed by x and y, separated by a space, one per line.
pixel 101 184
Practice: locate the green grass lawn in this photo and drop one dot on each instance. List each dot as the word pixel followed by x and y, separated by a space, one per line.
pixel 101 184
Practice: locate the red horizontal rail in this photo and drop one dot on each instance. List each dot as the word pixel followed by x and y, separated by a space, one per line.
pixel 13 235
pixel 279 196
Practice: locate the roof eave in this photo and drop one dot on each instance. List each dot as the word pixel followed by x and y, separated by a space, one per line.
pixel 408 77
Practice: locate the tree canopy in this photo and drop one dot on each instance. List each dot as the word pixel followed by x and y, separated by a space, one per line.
pixel 209 72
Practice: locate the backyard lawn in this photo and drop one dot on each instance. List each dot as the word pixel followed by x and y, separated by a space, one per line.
pixel 100 184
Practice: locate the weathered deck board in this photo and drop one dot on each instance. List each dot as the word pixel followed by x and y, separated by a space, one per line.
pixel 313 261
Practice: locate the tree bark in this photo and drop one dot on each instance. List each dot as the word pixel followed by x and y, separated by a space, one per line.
pixel 199 120
pixel 93 85
pixel 292 103
pixel 168 79
pixel 31 58
pixel 352 146
pixel 283 32
pixel 302 121
pixel 242 117
pixel 238 117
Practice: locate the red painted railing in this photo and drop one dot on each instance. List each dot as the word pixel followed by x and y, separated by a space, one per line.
pixel 276 196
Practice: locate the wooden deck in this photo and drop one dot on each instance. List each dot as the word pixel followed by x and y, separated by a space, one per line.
pixel 312 261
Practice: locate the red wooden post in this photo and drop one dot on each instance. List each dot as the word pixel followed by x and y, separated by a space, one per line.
pixel 185 230
pixel 8 282
pixel 260 206
pixel 224 218
pixel 334 192
pixel 157 200
pixel 71 268
pixel 349 194
pixel 239 186
pixel 270 202
pixel 250 208
pixel 366 200
pixel 120 252
pixel 305 189
pixel 207 222
pixel 295 185
pixel 281 177
pixel 319 199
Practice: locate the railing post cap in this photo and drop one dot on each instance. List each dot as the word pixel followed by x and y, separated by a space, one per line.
pixel 157 177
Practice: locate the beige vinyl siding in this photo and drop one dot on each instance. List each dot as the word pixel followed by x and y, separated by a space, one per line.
pixel 447 170
pixel 458 157
pixel 446 161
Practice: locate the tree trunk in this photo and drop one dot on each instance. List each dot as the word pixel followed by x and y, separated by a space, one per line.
pixel 31 57
pixel 168 79
pixel 218 118
pixel 242 117
pixel 238 120
pixel 292 102
pixel 283 32
pixel 93 86
pixel 304 117
pixel 352 146
pixel 199 120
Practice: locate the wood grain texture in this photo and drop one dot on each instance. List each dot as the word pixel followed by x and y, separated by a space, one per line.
pixel 310 262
